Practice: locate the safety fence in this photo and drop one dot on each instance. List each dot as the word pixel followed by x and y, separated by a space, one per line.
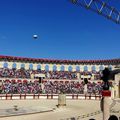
pixel 49 96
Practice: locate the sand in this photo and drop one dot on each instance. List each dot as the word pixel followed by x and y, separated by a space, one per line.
pixel 75 109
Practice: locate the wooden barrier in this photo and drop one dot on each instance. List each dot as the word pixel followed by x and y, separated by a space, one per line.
pixel 49 96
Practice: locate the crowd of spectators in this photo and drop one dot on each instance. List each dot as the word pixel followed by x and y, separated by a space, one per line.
pixel 48 87
pixel 22 73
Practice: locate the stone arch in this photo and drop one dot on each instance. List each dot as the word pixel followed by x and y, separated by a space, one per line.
pixel 77 68
pixel 110 67
pixel 22 65
pixel 93 68
pixel 70 68
pixel 5 65
pixel 31 66
pixel 62 68
pixel 47 68
pixel 86 68
pixel 54 68
pixel 101 68
pixel 38 67
pixel 14 65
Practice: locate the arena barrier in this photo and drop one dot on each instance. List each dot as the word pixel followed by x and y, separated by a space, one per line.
pixel 48 96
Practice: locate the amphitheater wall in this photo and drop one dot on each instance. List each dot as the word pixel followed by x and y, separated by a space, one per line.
pixel 117 86
pixel 67 67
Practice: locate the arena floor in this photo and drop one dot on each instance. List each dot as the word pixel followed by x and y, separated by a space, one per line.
pixel 75 109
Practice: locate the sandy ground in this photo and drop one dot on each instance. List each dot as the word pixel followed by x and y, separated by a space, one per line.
pixel 75 109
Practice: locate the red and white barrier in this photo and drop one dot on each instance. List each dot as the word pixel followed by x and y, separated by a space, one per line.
pixel 48 96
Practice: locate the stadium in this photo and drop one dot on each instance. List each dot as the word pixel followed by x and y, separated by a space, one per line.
pixel 69 64
pixel 30 79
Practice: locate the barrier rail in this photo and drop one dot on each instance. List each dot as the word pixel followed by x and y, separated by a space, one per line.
pixel 48 96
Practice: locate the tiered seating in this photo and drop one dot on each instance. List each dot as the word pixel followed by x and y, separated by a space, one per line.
pixel 22 73
pixel 47 87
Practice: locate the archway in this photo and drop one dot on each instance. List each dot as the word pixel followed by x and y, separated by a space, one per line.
pixel 5 65
pixel 101 68
pixel 110 67
pixel 23 66
pixel 93 68
pixel 38 67
pixel 54 68
pixel 70 68
pixel 62 68
pixel 77 68
pixel 85 68
pixel 14 66
pixel 31 66
pixel 46 68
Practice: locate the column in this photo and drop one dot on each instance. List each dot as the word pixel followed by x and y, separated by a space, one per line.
pixel 82 68
pixel 74 68
pixel 35 66
pixel 85 89
pixel 117 80
pixel 18 65
pixel 66 67
pixel 1 64
pixel 105 66
pixel 50 67
pixel 27 66
pixel 89 68
pixel 10 64
pixel 113 67
pixel 106 94
pixel 58 67
pixel 42 66
pixel 61 100
pixel 97 68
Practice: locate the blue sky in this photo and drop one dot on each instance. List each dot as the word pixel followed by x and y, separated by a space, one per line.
pixel 64 31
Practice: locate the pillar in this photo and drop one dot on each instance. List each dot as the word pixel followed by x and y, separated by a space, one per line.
pixel 106 94
pixel 74 68
pixel 85 89
pixel 18 65
pixel 66 67
pixel 26 66
pixel 61 100
pixel 89 68
pixel 50 67
pixel 42 66
pixel 113 67
pixel 10 65
pixel 97 68
pixel 113 91
pixel 35 66
pixel 82 68
pixel 58 67
pixel 117 89
pixel 1 64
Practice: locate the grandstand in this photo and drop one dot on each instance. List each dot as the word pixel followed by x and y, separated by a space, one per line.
pixel 19 75
pixel 27 83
